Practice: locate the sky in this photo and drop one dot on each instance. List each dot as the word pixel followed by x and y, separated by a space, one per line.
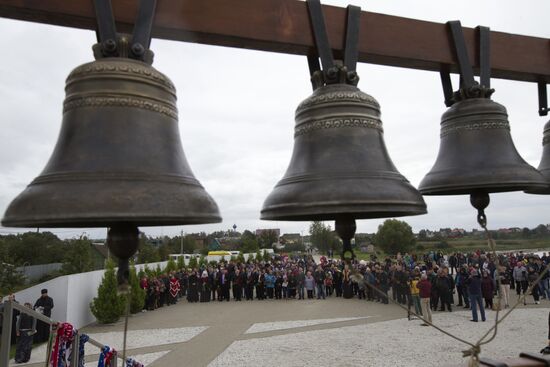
pixel 236 114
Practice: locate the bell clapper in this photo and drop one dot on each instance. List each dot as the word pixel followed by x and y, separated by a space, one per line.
pixel 123 241
pixel 480 200
pixel 346 228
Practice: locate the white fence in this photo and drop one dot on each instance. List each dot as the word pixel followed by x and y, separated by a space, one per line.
pixel 34 272
pixel 72 295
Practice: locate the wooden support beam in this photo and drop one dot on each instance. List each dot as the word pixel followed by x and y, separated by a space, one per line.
pixel 283 26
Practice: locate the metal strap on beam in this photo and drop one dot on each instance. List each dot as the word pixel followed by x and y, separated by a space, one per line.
pixel 484 56
pixel 320 33
pixel 543 99
pixel 466 71
pixel 447 86
pixel 352 37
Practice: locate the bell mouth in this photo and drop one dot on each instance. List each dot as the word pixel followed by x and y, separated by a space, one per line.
pixel 538 190
pixel 105 203
pixel 334 197
pixel 334 211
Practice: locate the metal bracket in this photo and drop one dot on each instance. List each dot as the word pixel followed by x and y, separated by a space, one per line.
pixel 469 87
pixel 106 29
pixel 535 357
pixel 492 363
pixel 543 99
pixel 333 72
pixel 113 45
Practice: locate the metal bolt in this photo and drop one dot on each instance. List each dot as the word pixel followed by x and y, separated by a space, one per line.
pixel 109 45
pixel 138 49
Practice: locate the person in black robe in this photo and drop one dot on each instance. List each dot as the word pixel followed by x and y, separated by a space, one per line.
pixel 193 291
pixel 25 329
pixel 260 289
pixel 249 292
pixel 213 282
pixel 44 306
pixel 224 284
pixel 337 281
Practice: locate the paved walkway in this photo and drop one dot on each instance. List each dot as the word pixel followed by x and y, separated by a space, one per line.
pixel 228 321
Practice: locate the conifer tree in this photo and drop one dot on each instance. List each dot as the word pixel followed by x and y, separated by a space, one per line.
pixel 137 295
pixel 170 266
pixel 202 261
pixel 108 306
pixel 267 256
pixel 192 262
pixel 181 262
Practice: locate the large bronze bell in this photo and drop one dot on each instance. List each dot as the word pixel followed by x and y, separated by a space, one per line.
pixel 476 153
pixel 340 167
pixel 118 159
pixel 544 166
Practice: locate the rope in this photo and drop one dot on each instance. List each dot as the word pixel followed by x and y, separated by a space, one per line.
pixel 128 300
pixel 409 312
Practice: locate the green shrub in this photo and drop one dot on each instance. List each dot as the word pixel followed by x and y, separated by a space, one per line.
pixel 137 300
pixel 108 306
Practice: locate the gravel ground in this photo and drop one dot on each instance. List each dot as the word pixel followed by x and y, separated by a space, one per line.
pixel 281 325
pixel 392 343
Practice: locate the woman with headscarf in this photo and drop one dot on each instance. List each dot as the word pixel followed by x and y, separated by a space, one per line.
pixel 346 282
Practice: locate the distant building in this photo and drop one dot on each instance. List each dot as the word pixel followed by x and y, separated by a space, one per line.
pixel 276 230
pixel 457 233
pixel 291 238
pixel 100 252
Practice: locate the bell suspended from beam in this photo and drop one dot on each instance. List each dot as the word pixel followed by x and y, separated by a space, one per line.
pixel 118 159
pixel 544 166
pixel 476 151
pixel 340 168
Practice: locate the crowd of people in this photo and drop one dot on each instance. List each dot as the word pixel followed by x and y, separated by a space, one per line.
pixel 426 283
